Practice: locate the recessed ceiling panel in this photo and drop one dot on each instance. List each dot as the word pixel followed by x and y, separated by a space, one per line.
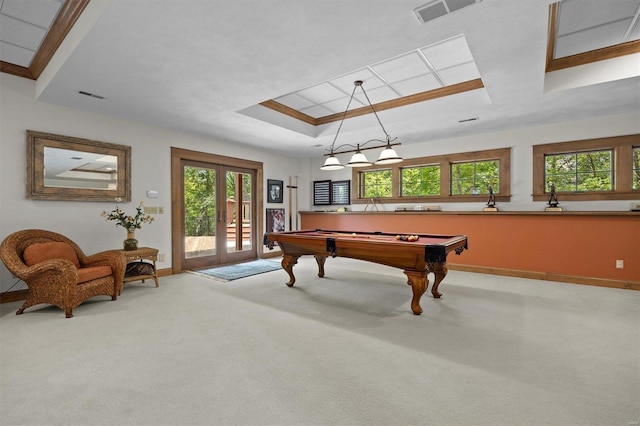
pixel 591 39
pixel 15 55
pixel 321 93
pixel 345 82
pixel 392 79
pixel 20 34
pixel 316 111
pixel 294 101
pixel 339 105
pixel 23 26
pixel 588 25
pixel 401 68
pixel 579 15
pixel 448 53
pixel 634 33
pixel 419 84
pixel 40 13
pixel 379 94
pixel 460 73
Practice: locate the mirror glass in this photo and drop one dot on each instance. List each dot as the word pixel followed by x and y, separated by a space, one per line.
pixel 66 168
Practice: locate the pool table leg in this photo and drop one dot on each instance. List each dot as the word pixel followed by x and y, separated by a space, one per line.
pixel 320 260
pixel 440 271
pixel 419 283
pixel 287 264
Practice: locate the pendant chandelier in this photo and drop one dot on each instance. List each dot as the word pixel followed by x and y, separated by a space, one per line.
pixel 387 156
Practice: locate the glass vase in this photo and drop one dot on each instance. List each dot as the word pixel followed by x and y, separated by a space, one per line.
pixel 130 243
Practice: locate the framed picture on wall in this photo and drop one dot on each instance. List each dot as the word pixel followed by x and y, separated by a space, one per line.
pixel 274 191
pixel 275 220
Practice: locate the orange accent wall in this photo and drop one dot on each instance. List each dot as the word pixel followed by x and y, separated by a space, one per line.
pixel 563 244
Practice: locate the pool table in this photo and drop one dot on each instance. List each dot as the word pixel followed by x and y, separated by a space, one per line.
pixel 416 258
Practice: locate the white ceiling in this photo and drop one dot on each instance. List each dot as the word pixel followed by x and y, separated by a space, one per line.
pixel 205 65
pixel 23 26
pixel 442 64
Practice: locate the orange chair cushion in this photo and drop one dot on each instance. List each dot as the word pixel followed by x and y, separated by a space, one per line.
pixel 41 252
pixel 93 273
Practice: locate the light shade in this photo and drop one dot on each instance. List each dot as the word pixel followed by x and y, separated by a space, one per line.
pixel 358 160
pixel 332 163
pixel 388 156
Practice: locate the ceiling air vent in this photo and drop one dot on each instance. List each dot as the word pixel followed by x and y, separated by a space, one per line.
pixel 438 8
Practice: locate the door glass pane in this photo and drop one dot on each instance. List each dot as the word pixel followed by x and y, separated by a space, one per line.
pixel 200 212
pixel 238 211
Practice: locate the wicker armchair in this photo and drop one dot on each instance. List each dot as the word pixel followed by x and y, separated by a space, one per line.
pixel 58 272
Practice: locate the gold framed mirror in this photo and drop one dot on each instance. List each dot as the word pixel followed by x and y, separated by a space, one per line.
pixel 74 169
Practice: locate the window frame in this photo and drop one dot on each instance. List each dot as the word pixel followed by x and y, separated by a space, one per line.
pixel 622 167
pixel 503 155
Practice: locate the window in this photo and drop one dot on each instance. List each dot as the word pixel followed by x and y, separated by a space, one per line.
pixel 593 169
pixel 420 181
pixel 444 178
pixel 375 184
pixel 326 192
pixel 475 177
pixel 580 171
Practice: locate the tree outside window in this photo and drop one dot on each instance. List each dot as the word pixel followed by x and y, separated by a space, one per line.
pixel 375 184
pixel 460 177
pixel 590 169
pixel 475 177
pixel 580 171
pixel 420 181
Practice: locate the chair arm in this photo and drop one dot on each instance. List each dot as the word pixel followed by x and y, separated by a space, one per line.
pixel 112 258
pixel 50 272
pixel 104 258
pixel 53 266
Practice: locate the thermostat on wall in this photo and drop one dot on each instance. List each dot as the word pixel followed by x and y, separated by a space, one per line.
pixel 152 194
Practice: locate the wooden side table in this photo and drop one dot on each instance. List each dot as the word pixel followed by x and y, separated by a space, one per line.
pixel 143 253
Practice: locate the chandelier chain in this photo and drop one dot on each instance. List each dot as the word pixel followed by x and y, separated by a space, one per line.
pixel 344 115
pixel 374 112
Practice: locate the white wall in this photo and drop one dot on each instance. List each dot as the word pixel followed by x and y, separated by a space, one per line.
pixel 81 221
pixel 521 142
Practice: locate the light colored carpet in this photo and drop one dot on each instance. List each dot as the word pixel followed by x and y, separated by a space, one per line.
pixel 342 350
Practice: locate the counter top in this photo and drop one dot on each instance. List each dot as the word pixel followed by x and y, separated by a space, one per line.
pixel 482 213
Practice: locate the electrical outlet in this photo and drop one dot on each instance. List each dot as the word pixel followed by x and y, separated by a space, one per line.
pixel 160 257
pixel 619 264
pixel 160 210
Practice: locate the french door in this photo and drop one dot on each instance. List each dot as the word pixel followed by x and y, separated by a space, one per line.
pixel 217 213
